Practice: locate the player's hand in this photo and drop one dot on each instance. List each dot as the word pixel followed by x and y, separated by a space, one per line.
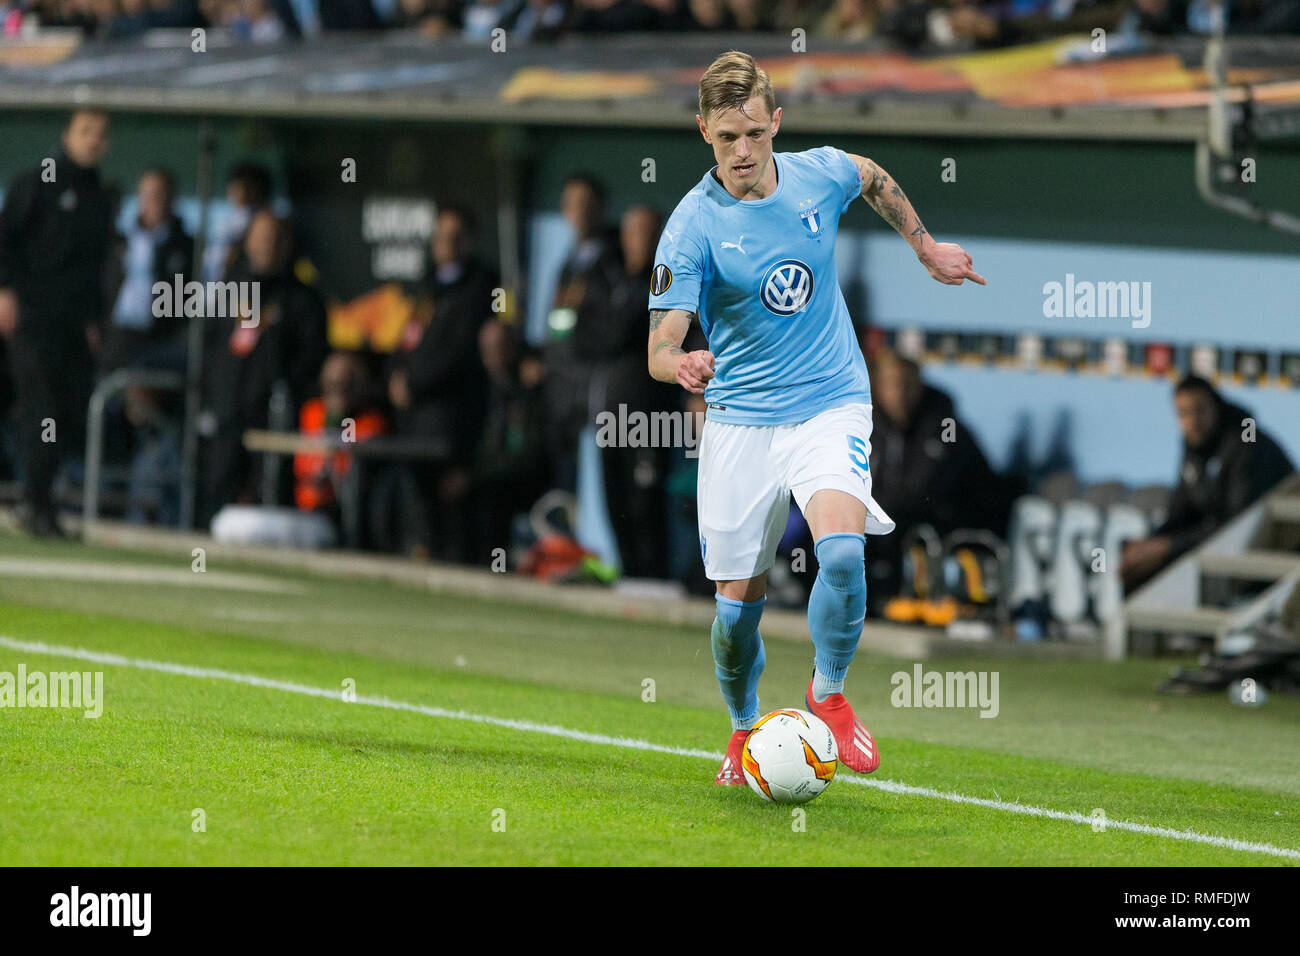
pixel 950 264
pixel 694 371
pixel 8 313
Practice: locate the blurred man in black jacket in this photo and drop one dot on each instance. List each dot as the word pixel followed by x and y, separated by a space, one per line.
pixel 1227 464
pixel 438 386
pixel 289 343
pixel 56 229
pixel 634 476
pixel 926 468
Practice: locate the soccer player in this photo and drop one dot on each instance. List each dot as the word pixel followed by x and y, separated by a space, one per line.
pixel 750 253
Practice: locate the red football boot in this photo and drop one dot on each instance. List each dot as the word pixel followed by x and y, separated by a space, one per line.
pixel 730 774
pixel 856 745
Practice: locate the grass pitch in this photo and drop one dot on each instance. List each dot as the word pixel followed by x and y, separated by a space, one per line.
pixel 247 733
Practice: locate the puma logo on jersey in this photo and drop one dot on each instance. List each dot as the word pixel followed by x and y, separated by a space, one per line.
pixel 735 245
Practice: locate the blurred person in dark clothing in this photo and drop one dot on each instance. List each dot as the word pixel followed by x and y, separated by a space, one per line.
pixel 287 344
pixel 155 248
pixel 248 192
pixel 579 320
pixel 926 468
pixel 56 231
pixel 433 18
pixel 1228 463
pixel 143 426
pixel 511 468
pixel 634 477
pixel 539 20
pixel 348 15
pixel 613 16
pixel 436 382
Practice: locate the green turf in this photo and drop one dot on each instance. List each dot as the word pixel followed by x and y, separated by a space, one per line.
pixel 285 778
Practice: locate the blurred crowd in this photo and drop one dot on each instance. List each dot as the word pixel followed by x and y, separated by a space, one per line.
pixel 930 24
pixel 480 423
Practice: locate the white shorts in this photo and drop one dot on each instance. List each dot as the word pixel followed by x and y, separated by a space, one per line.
pixel 748 472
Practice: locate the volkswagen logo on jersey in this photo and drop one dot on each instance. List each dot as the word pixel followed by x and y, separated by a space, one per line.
pixel 787 287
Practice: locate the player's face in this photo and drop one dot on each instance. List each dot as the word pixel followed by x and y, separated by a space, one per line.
pixel 86 139
pixel 154 201
pixel 742 144
pixel 1196 416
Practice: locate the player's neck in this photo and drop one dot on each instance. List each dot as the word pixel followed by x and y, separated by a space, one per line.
pixel 760 190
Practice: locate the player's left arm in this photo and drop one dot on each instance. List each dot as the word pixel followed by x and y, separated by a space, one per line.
pixel 946 262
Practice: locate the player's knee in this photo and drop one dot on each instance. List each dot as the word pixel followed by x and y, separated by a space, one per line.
pixel 737 620
pixel 841 558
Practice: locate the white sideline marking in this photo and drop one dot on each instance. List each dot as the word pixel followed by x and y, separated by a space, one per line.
pixel 143 574
pixel 888 786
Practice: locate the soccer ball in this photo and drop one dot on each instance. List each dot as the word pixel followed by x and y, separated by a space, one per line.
pixel 789 757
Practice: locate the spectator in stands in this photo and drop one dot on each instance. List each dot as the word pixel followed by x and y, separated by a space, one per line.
pixel 926 469
pixel 540 20
pixel 1021 21
pixel 76 14
pixel 288 345
pixel 56 229
pixel 711 15
pixel 634 476
pixel 612 16
pixel 483 16
pixel 131 19
pixel 578 319
pixel 1267 17
pixel 155 248
pixel 904 21
pixel 849 20
pixel 348 15
pixel 511 467
pixel 433 18
pixel 258 22
pixel 346 409
pixel 437 385
pixel 1227 464
pixel 1160 17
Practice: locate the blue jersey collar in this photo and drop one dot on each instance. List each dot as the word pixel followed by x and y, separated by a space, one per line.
pixel 722 193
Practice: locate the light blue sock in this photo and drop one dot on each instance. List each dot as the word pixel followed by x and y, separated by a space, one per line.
pixel 837 608
pixel 738 657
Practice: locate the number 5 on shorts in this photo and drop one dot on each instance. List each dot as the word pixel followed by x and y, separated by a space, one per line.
pixel 858 451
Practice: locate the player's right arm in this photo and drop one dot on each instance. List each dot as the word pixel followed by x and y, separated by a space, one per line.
pixel 668 362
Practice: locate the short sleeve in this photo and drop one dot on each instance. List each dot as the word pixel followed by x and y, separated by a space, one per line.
pixel 843 170
pixel 679 266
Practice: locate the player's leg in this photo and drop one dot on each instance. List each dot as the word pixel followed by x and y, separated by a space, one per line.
pixel 837 605
pixel 739 507
pixel 738 662
pixel 831 481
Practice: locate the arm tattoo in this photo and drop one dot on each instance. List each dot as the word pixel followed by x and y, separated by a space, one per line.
pixel 887 198
pixel 657 317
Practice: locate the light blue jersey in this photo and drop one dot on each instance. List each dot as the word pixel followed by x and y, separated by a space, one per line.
pixel 761 277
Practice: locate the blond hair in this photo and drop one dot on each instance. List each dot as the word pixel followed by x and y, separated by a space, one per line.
pixel 731 81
